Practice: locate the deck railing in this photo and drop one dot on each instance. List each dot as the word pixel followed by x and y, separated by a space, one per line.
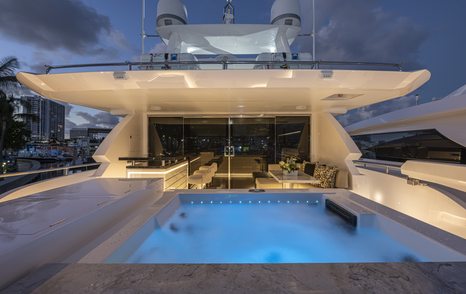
pixel 66 170
pixel 226 64
pixel 387 167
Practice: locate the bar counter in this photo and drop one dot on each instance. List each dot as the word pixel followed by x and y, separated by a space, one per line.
pixel 174 173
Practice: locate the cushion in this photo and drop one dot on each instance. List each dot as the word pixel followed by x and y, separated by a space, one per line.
pixel 326 175
pixel 342 179
pixel 309 168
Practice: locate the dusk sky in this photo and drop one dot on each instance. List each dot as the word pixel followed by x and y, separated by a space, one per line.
pixel 419 34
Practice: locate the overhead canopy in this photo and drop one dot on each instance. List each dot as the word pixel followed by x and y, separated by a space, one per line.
pixel 228 38
pixel 215 92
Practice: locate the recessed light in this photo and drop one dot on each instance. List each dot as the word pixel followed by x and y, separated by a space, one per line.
pixel 155 108
pixel 240 106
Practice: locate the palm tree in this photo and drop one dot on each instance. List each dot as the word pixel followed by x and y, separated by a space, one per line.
pixel 8 118
pixel 8 66
pixel 13 129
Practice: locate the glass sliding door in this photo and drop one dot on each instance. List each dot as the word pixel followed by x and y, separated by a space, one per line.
pixel 252 141
pixel 240 146
pixel 208 137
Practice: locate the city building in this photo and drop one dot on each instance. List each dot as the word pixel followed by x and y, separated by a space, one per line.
pixel 47 120
pixel 97 134
pixel 78 133
pixel 87 140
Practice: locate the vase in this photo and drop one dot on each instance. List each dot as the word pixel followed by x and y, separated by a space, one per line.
pixel 293 173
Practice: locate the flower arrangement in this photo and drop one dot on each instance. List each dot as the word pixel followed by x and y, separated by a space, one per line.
pixel 289 165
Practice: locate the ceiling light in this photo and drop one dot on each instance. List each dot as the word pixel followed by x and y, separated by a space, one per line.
pixel 240 106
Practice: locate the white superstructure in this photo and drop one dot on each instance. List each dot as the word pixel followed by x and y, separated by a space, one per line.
pixel 447 115
pixel 233 72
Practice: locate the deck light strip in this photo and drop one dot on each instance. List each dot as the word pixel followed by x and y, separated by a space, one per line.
pixel 157 172
pixel 313 203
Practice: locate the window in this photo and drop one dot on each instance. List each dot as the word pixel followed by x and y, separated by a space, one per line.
pixel 275 138
pixel 293 137
pixel 205 135
pixel 165 136
pixel 402 146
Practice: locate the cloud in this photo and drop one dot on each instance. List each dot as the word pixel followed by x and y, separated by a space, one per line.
pixel 57 24
pixel 359 30
pixel 68 108
pixel 70 124
pixel 40 59
pixel 101 119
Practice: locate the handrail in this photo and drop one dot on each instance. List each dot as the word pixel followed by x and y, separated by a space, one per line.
pixel 41 171
pixel 387 166
pixel 224 63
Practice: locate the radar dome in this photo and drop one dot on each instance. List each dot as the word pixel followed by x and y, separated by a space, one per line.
pixel 286 12
pixel 171 12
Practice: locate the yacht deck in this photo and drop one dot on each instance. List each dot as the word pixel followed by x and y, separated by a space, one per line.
pixel 258 278
pixel 26 219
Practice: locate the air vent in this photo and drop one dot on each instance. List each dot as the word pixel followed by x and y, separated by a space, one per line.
pixel 326 74
pixel 120 75
pixel 342 96
pixel 345 214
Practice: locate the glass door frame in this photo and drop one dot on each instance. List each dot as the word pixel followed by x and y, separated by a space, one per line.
pixel 239 120
pixel 229 148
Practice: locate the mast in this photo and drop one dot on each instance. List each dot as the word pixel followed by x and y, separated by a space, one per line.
pixel 313 30
pixel 143 30
pixel 229 13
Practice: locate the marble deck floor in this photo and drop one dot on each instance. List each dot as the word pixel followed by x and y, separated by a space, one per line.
pixel 256 278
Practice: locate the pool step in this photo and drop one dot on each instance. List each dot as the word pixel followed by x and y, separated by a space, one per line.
pixel 350 211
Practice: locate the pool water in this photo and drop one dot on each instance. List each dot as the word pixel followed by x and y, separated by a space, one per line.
pixel 286 231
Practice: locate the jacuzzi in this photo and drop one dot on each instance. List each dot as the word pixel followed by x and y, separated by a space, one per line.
pixel 274 227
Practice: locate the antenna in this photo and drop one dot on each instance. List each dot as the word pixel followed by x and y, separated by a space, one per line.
pixel 229 13
pixel 143 30
pixel 313 30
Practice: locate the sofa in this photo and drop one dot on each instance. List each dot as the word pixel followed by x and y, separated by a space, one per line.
pixel 330 177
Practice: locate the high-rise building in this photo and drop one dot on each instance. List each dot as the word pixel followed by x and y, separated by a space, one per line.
pixel 97 134
pixel 78 133
pixel 47 120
